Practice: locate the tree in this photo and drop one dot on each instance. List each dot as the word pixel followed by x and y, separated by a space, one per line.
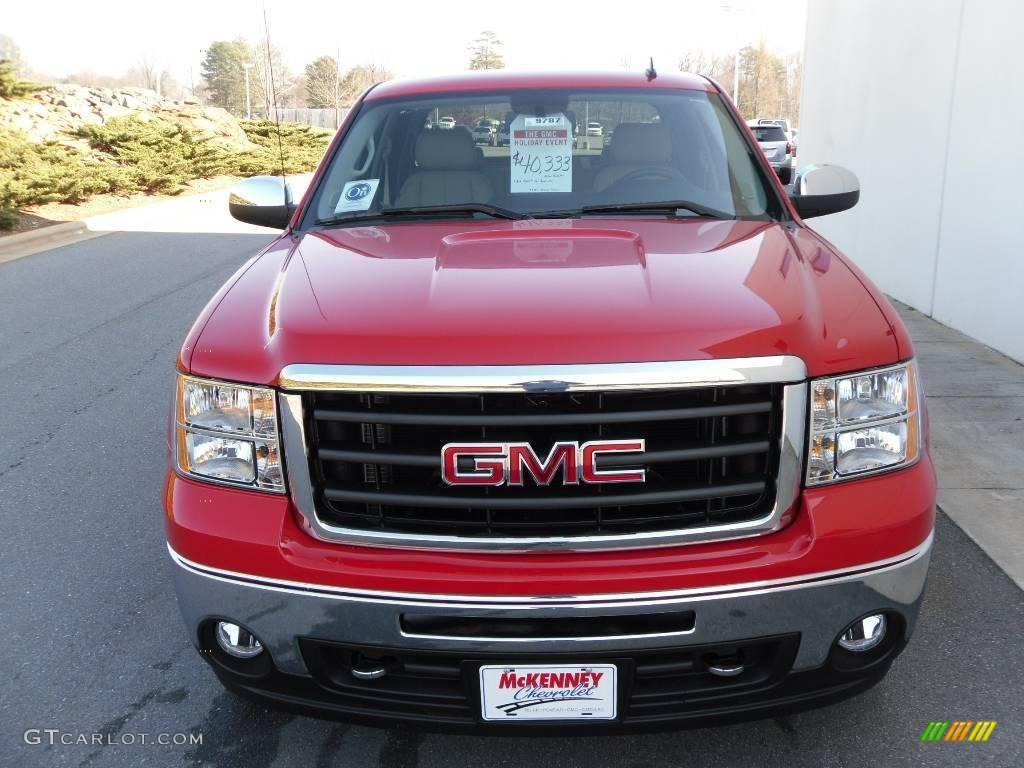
pixel 10 52
pixel 485 53
pixel 11 66
pixel 294 93
pixel 149 73
pixel 267 61
pixel 762 82
pixel 794 87
pixel 359 78
pixel 223 69
pixel 700 63
pixel 11 85
pixel 323 83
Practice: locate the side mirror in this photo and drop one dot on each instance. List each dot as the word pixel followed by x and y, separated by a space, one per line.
pixel 819 190
pixel 265 201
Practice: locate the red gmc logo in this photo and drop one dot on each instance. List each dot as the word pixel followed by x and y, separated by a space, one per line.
pixel 509 463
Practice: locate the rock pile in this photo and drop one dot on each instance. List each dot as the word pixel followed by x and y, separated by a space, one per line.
pixel 56 111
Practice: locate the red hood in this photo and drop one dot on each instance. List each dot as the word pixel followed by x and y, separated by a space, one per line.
pixel 490 293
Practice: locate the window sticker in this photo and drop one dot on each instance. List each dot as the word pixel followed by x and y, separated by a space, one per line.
pixel 540 149
pixel 357 195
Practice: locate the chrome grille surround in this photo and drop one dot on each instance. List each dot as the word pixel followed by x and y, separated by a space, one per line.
pixel 789 371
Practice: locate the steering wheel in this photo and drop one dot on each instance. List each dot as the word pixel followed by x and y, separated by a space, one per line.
pixel 652 173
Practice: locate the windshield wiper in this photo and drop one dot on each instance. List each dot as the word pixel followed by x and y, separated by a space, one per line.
pixel 425 210
pixel 672 207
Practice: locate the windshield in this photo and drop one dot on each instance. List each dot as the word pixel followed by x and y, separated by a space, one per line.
pixel 643 152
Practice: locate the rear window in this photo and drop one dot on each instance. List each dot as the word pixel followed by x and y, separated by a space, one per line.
pixel 769 133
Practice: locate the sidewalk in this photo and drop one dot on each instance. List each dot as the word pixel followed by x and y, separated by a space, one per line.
pixel 976 405
pixel 201 212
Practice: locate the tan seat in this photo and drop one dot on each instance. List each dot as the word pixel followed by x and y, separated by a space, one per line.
pixel 634 147
pixel 446 172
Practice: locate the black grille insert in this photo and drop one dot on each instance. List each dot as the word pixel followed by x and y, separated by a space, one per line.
pixel 711 459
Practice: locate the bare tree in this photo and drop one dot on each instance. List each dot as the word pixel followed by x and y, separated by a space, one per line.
pixel 699 62
pixel 10 52
pixel 323 83
pixel 267 60
pixel 359 78
pixel 150 73
pixel 769 84
pixel 794 64
pixel 762 80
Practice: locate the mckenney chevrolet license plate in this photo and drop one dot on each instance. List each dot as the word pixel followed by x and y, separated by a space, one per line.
pixel 548 692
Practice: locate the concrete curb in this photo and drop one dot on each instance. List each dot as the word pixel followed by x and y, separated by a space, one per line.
pixel 26 243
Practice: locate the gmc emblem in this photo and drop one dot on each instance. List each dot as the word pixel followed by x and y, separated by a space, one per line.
pixel 496 464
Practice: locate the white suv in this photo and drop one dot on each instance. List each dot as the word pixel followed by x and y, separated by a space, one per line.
pixel 777 148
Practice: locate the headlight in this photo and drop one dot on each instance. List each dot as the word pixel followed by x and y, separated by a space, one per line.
pixel 863 424
pixel 228 434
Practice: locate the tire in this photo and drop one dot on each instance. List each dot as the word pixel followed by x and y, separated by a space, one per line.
pixel 786 175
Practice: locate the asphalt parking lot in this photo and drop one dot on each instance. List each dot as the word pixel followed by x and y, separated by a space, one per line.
pixel 88 334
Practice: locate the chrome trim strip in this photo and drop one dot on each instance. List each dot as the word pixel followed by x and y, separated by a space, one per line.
pixel 498 602
pixel 791 457
pixel 583 639
pixel 779 369
pixel 295 452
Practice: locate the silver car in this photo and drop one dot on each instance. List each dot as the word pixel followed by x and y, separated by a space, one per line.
pixel 486 132
pixel 777 148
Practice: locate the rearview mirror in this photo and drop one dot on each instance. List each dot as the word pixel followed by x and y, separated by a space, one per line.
pixel 819 190
pixel 265 201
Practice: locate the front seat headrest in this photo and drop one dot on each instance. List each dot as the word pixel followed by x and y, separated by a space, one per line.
pixel 446 150
pixel 640 144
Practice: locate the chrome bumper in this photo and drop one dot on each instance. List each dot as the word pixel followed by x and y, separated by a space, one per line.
pixel 818 606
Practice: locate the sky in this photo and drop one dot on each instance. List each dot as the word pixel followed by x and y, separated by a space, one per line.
pixel 410 38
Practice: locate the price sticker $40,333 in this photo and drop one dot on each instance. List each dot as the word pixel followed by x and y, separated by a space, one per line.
pixel 541 154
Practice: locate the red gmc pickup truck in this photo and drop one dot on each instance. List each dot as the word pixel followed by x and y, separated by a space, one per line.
pixel 559 434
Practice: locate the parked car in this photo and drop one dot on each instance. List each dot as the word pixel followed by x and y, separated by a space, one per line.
pixel 568 447
pixel 486 132
pixel 781 122
pixel 595 129
pixel 777 148
pixel 446 123
pixel 503 131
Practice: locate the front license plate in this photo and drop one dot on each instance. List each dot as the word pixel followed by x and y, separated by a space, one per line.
pixel 548 692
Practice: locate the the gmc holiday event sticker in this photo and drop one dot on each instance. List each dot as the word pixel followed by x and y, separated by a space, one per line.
pixel 548 692
pixel 540 150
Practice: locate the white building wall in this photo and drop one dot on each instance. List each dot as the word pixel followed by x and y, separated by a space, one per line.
pixel 922 100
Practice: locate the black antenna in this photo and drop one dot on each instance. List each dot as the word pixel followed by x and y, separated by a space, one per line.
pixel 273 95
pixel 651 72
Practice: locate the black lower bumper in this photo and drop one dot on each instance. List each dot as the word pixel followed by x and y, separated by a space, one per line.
pixel 658 689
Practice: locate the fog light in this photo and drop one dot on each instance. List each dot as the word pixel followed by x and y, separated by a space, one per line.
pixel 237 641
pixel 864 634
